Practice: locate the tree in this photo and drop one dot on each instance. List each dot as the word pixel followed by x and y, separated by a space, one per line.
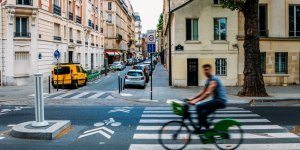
pixel 253 80
pixel 160 22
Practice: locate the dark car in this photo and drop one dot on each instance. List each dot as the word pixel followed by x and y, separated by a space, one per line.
pixel 144 69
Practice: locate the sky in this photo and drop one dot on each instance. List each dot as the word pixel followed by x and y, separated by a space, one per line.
pixel 149 10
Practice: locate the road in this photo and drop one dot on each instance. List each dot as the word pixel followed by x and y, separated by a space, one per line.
pixel 139 127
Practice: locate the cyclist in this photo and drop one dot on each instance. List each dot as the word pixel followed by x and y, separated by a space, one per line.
pixel 213 87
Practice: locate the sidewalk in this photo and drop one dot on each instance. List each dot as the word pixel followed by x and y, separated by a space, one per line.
pixel 162 91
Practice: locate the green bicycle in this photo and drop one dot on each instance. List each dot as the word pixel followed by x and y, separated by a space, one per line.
pixel 226 134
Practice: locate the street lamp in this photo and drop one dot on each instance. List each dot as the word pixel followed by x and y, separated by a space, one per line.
pixel 170 49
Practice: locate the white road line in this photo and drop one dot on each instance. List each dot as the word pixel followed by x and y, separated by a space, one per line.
pixel 233 136
pixel 96 95
pixel 215 120
pixel 79 95
pixel 1 138
pixel 271 146
pixel 195 115
pixel 171 112
pixel 192 108
pixel 245 127
pixel 63 95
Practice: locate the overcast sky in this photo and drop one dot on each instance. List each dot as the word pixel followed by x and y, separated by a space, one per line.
pixel 149 11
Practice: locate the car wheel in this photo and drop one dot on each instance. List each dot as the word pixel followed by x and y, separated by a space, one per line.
pixel 85 82
pixel 75 84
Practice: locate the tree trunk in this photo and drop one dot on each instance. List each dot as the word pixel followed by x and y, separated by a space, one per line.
pixel 253 79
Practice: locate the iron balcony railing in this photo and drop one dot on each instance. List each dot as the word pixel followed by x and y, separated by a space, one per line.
pixel 56 10
pixel 70 16
pixel 86 43
pixel 24 2
pixel 78 19
pixel 79 42
pixel 22 34
pixel 92 44
pixel 71 40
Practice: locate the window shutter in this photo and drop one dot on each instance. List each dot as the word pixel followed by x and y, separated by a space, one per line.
pixel 24 25
pixel 188 29
pixel 195 29
pixel 17 25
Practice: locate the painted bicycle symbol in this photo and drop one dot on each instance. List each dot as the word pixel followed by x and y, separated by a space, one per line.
pixel 110 121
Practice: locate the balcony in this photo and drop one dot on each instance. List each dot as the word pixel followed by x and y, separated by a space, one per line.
pixel 92 44
pixel 79 42
pixel 57 38
pixel 56 10
pixel 70 16
pixel 24 2
pixel 23 34
pixel 78 19
pixel 71 40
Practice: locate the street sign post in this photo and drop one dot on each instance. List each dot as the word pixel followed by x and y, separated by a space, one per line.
pixel 56 56
pixel 151 48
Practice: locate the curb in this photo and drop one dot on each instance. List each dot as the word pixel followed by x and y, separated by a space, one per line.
pixel 275 102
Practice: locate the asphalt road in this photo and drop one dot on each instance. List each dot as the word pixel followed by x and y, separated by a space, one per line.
pixel 127 134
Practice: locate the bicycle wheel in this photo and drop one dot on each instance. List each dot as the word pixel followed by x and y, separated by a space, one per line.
pixel 231 140
pixel 174 135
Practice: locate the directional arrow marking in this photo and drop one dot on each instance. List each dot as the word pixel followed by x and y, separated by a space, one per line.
pixel 97 131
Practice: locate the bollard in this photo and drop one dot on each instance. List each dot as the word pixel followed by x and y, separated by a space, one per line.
pixel 49 79
pixel 39 102
pixel 119 83
pixel 124 84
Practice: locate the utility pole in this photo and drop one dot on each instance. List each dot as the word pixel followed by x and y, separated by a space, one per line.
pixel 170 49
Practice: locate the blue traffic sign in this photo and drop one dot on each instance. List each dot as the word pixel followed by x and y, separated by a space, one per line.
pixel 56 54
pixel 151 48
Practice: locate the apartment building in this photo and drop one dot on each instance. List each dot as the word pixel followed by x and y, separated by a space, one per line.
pixel 279 29
pixel 33 29
pixel 202 32
pixel 119 30
pixel 138 35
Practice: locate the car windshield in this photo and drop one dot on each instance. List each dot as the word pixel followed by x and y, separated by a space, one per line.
pixel 61 70
pixel 134 74
pixel 138 67
pixel 116 63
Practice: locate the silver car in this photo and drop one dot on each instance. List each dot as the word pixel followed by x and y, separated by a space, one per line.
pixel 135 78
pixel 118 65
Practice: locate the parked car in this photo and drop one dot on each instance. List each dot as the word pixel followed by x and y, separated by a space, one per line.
pixel 144 69
pixel 68 74
pixel 148 62
pixel 135 78
pixel 118 65
pixel 149 69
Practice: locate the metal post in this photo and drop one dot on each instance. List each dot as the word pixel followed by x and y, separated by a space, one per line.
pixel 151 92
pixel 170 49
pixel 105 65
pixel 49 81
pixel 124 84
pixel 57 76
pixel 119 82
pixel 39 102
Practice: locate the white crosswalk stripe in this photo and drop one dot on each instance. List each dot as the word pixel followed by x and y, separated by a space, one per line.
pixel 259 133
pixel 79 95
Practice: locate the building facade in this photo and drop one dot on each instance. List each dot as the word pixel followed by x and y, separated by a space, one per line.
pixel 202 32
pixel 33 29
pixel 279 29
pixel 138 35
pixel 119 30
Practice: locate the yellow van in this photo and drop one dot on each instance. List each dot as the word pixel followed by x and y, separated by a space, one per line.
pixel 68 74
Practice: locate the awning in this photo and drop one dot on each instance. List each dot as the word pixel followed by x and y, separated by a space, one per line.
pixel 113 53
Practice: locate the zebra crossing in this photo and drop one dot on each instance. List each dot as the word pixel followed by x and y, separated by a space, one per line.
pixel 81 95
pixel 259 132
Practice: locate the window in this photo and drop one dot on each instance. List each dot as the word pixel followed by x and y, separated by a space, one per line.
pixel 192 29
pixel 281 63
pixel 221 67
pixel 24 2
pixel 263 20
pixel 109 5
pixel 294 20
pixel 109 18
pixel 263 62
pixel 79 57
pixel 220 29
pixel 216 2
pixel 57 32
pixel 22 27
pixel 70 33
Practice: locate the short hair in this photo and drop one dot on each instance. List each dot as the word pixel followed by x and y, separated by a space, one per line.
pixel 206 66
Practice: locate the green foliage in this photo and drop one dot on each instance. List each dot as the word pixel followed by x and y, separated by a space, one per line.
pixel 160 22
pixel 234 4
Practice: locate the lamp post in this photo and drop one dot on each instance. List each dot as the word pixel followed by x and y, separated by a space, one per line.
pixel 170 49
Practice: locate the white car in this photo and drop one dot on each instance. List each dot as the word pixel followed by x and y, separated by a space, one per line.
pixel 118 65
pixel 135 78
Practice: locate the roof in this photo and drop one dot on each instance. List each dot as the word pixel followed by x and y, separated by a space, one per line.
pixel 181 6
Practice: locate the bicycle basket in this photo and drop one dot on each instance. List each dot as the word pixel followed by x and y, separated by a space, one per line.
pixel 178 109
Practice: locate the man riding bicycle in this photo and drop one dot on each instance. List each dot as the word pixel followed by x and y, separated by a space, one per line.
pixel 214 88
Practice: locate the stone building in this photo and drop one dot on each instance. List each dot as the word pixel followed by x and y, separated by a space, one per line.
pixel 202 32
pixel 138 35
pixel 32 30
pixel 119 30
pixel 279 29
